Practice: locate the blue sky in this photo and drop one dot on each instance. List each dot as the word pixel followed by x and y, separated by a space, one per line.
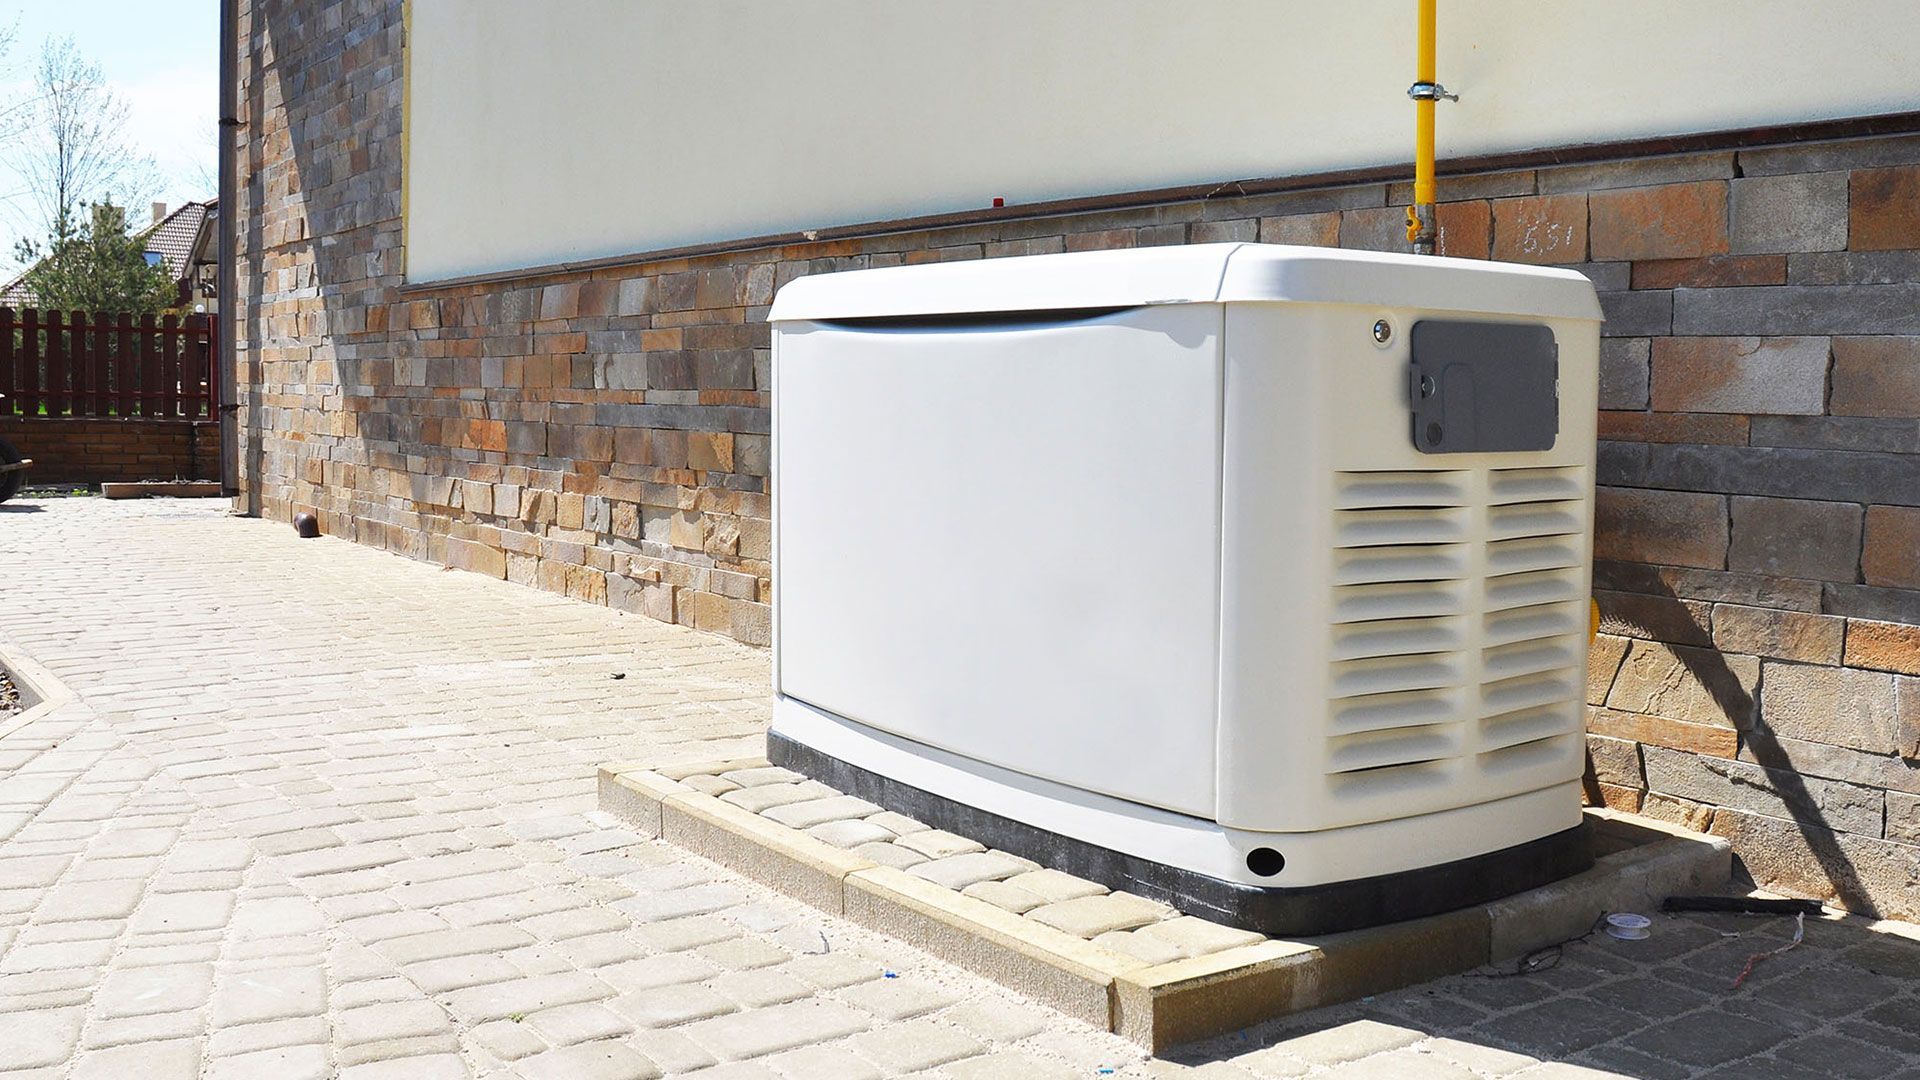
pixel 161 56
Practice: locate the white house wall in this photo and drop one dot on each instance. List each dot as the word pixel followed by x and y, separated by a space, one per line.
pixel 574 129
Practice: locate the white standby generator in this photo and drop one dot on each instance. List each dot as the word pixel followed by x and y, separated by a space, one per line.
pixel 1251 578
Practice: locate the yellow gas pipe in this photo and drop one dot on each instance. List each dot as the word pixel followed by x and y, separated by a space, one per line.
pixel 1425 91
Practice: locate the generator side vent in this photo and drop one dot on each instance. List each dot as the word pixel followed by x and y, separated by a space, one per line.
pixel 1458 602
pixel 1403 558
pixel 1533 612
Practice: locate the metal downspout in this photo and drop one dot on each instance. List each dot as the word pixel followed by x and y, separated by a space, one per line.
pixel 228 316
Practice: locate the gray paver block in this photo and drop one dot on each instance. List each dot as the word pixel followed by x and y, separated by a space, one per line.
pixel 279 993
pixel 667 1006
pixel 280 1063
pixel 410 1067
pixel 528 995
pixel 150 1027
pixel 756 1032
pixel 802 815
pixel 598 950
pixel 938 844
pixel 460 972
pixel 670 1050
pixel 710 785
pixel 580 1022
pixel 764 798
pixel 1004 895
pixel 610 1060
pixel 174 1059
pixel 1345 1042
pixel 48 1040
pixel 390 1020
pixel 123 843
pixel 1405 1064
pixel 158 989
pixel 415 1048
pixel 897 999
pixel 507 1040
pixel 890 854
pixel 1197 937
pixel 851 833
pixel 766 774
pixel 1704 1039
pixel 183 911
pixel 1010 1063
pixel 664 970
pixel 679 903
pixel 821 1063
pixel 1090 916
pixel 210 854
pixel 744 953
pixel 1138 945
pixel 91 900
pixel 277 916
pixel 959 871
pixel 57 954
pixel 679 935
pixel 661 878
pixel 759 988
pixel 831 971
pixel 1052 886
pixel 574 922
pixel 1485 1060
pixel 996 1020
pixel 914 1045
pixel 897 824
pixel 247 1038
pixel 1560 1027
pixel 32 871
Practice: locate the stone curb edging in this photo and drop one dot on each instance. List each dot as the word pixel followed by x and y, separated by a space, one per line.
pixel 1161 1005
pixel 180 489
pixel 36 684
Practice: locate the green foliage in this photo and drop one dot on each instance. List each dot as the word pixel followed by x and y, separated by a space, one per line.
pixel 98 266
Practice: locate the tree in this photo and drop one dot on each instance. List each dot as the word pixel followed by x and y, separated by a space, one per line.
pixel 98 266
pixel 73 146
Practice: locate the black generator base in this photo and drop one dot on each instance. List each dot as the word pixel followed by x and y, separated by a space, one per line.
pixel 1270 910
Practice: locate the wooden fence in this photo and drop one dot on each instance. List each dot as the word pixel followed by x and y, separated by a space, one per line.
pixel 81 364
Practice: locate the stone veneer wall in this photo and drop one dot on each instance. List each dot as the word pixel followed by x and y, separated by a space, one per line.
pixel 605 433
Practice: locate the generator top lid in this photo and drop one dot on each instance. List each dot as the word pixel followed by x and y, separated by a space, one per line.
pixel 1189 274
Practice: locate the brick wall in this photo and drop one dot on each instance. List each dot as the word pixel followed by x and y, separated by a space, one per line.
pixel 604 434
pixel 68 451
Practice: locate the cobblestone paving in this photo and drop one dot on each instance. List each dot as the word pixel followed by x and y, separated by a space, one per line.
pixel 323 811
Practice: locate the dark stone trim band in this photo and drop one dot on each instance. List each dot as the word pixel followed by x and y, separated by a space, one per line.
pixel 1270 910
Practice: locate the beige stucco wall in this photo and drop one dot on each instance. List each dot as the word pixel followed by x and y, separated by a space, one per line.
pixel 574 129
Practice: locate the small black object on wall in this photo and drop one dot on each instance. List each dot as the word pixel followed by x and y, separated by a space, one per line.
pixel 1484 387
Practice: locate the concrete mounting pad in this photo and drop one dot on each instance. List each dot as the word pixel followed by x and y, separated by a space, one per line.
pixel 1120 962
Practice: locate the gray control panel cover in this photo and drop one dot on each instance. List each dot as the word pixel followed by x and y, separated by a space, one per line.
pixel 1484 387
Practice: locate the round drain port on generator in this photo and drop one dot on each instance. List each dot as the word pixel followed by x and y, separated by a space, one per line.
pixel 1265 861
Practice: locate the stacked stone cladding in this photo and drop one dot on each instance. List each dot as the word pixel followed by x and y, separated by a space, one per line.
pixel 604 433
